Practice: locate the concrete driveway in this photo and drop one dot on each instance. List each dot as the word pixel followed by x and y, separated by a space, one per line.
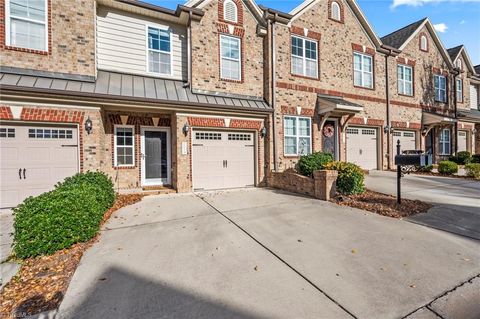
pixel 265 254
pixel 456 201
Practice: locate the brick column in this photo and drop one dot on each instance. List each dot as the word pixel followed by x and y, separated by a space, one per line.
pixel 181 163
pixel 325 184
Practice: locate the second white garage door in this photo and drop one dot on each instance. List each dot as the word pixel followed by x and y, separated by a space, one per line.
pixel 223 159
pixel 362 147
pixel 407 140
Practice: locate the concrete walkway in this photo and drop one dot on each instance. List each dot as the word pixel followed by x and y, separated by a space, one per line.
pixel 7 269
pixel 456 201
pixel 265 254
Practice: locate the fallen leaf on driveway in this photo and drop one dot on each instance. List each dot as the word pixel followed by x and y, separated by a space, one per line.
pixel 256 268
pixel 353 251
pixel 300 241
pixel 412 286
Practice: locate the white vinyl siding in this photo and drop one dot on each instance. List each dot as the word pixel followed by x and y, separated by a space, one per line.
pixel 122 43
pixel 304 57
pixel 230 11
pixel 297 135
pixel 27 24
pixel 405 80
pixel 363 70
pixel 474 97
pixel 445 144
pixel 440 84
pixel 231 62
pixel 124 141
pixel 459 88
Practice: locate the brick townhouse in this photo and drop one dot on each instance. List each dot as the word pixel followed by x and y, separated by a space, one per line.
pixel 216 93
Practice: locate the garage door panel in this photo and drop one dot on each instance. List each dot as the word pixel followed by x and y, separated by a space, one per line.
pixel 407 140
pixel 362 147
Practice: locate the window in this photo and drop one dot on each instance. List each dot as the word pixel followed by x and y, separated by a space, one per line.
pixel 459 90
pixel 440 83
pixel 49 133
pixel 7 132
pixel 405 80
pixel 239 137
pixel 445 142
pixel 26 24
pixel 304 57
pixel 363 70
pixel 159 51
pixel 124 146
pixel 423 43
pixel 208 136
pixel 297 135
pixel 230 55
pixel 230 11
pixel 335 11
pixel 459 64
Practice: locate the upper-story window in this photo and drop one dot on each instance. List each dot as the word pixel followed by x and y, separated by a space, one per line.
pixel 405 80
pixel 27 24
pixel 335 11
pixel 440 83
pixel 423 43
pixel 231 63
pixel 459 90
pixel 230 11
pixel 459 64
pixel 363 70
pixel 304 57
pixel 159 51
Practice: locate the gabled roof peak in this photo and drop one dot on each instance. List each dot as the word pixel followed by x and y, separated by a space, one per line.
pixel 398 37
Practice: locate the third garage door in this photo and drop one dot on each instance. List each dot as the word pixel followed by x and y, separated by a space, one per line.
pixel 223 159
pixel 407 140
pixel 362 146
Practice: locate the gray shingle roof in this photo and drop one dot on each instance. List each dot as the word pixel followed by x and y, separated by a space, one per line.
pixel 477 69
pixel 453 52
pixel 397 38
pixel 122 86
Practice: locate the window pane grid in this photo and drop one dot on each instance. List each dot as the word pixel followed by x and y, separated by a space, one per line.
pixel 230 55
pixel 124 146
pixel 445 142
pixel 405 80
pixel 304 57
pixel 459 90
pixel 27 24
pixel 363 70
pixel 440 85
pixel 297 135
pixel 159 51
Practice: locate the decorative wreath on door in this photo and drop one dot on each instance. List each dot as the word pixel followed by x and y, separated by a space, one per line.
pixel 328 130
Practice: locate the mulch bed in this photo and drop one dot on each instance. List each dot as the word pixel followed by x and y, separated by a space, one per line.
pixel 382 204
pixel 41 283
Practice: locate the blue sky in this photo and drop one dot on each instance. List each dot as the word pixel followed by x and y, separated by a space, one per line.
pixel 458 19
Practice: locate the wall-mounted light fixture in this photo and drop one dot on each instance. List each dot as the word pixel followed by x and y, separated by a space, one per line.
pixel 388 130
pixel 88 125
pixel 263 132
pixel 186 129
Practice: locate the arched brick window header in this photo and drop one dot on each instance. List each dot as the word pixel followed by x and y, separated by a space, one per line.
pixel 332 6
pixel 221 12
pixel 423 46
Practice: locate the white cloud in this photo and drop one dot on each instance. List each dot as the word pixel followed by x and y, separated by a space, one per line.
pixel 416 3
pixel 440 27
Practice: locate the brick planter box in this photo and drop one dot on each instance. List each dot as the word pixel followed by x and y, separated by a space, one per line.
pixel 321 186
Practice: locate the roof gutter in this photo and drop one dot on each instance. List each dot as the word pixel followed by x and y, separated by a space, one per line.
pixel 177 12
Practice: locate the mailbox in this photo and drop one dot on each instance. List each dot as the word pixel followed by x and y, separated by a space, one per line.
pixel 413 160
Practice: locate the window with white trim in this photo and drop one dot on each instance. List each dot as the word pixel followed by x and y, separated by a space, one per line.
pixel 459 88
pixel 363 70
pixel 297 135
pixel 459 64
pixel 423 43
pixel 27 24
pixel 159 51
pixel 445 144
pixel 440 83
pixel 304 57
pixel 335 11
pixel 405 79
pixel 230 64
pixel 124 146
pixel 230 11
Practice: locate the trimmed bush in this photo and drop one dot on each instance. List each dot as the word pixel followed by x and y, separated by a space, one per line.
pixel 313 162
pixel 350 177
pixel 473 170
pixel 69 214
pixel 447 167
pixel 461 158
pixel 475 158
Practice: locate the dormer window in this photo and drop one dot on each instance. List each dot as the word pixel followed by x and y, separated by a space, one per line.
pixel 423 43
pixel 335 11
pixel 230 11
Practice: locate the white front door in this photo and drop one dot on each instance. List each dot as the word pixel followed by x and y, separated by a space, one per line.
pixel 462 141
pixel 155 156
pixel 223 159
pixel 362 147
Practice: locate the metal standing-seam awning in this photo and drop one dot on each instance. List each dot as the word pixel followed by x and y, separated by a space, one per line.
pixel 430 120
pixel 336 106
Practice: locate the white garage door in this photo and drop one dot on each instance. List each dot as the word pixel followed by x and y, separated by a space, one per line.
pixel 362 147
pixel 34 158
pixel 223 159
pixel 462 141
pixel 407 141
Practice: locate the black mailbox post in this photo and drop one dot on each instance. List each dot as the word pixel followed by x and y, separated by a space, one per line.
pixel 407 163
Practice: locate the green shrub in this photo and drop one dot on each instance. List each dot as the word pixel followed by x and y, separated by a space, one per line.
pixel 69 214
pixel 473 170
pixel 313 162
pixel 461 158
pixel 475 158
pixel 447 167
pixel 426 169
pixel 350 177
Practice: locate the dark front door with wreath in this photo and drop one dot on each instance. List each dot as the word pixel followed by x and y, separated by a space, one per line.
pixel 329 137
